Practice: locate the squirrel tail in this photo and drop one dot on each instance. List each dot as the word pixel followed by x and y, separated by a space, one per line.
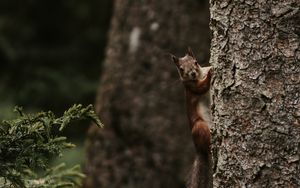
pixel 201 173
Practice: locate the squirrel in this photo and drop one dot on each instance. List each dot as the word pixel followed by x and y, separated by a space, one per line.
pixel 196 81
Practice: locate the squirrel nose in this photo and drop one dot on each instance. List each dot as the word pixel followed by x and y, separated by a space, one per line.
pixel 193 74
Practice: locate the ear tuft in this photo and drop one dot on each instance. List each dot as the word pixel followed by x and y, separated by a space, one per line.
pixel 190 52
pixel 175 59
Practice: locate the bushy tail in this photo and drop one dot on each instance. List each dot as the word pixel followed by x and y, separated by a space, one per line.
pixel 201 173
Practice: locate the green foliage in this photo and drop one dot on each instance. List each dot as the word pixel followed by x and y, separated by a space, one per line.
pixel 57 176
pixel 28 143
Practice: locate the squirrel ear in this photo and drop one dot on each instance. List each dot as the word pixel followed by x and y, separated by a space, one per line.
pixel 175 59
pixel 190 52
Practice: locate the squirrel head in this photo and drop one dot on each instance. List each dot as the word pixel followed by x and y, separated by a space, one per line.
pixel 187 66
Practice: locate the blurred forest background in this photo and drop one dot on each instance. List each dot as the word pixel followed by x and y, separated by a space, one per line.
pixel 51 53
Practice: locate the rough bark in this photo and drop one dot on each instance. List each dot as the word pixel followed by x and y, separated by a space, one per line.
pixel 146 140
pixel 255 54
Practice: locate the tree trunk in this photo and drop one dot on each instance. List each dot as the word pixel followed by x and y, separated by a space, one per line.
pixel 146 140
pixel 256 88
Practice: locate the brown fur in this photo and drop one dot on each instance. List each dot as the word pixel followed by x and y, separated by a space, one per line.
pixel 197 85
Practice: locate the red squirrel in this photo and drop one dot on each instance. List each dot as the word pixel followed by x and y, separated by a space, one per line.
pixel 196 81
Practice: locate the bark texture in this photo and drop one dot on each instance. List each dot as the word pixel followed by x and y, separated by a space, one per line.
pixel 256 89
pixel 146 140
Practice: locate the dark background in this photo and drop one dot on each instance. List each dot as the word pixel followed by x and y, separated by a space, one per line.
pixel 51 53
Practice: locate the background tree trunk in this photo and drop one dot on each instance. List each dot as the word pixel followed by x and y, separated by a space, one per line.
pixel 256 88
pixel 146 140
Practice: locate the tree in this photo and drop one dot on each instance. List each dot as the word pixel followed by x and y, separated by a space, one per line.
pixel 146 140
pixel 28 142
pixel 256 87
